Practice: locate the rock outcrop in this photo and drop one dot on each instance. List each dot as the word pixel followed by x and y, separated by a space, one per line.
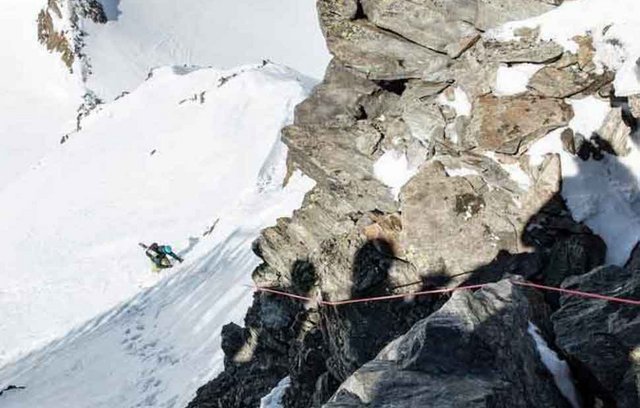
pixel 59 28
pixel 474 352
pixel 603 336
pixel 413 80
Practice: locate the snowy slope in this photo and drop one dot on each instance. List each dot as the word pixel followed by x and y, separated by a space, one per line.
pixel 143 34
pixel 161 164
pixel 158 348
pixel 38 97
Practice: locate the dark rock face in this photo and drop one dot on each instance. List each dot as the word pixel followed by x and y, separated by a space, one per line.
pixel 414 80
pixel 473 352
pixel 603 336
pixel 256 354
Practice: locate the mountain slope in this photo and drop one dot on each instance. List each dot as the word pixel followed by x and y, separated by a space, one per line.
pixel 39 97
pixel 143 34
pixel 162 164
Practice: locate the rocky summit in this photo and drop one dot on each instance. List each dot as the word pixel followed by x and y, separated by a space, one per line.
pixel 416 80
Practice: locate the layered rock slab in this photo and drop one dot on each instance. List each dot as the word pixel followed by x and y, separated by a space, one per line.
pixel 473 352
pixel 605 336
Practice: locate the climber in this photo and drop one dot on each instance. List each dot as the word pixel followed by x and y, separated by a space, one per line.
pixel 159 255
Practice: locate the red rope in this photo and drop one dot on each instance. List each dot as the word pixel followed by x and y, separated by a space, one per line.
pixel 450 290
pixel 580 293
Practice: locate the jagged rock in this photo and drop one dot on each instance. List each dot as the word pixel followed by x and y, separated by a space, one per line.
pixel 379 54
pixel 473 352
pixel 604 336
pixel 564 82
pixel 444 27
pixel 342 161
pixel 615 133
pixel 527 48
pixel 492 13
pixel 472 72
pixel 576 255
pixel 321 217
pixel 255 356
pixel 509 124
pixel 424 119
pixel 634 105
pixel 439 212
pixel 335 102
pixel 568 141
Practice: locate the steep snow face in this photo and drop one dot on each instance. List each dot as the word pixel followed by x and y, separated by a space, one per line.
pixel 143 34
pixel 158 348
pixel 38 96
pixel 161 164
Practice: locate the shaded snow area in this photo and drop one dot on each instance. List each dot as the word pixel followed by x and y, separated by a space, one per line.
pixel 161 164
pixel 274 398
pixel 558 368
pixel 143 34
pixel 393 170
pixel 613 25
pixel 512 80
pixel 604 194
pixel 38 96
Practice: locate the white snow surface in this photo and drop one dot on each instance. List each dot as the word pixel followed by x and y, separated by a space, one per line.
pixel 460 102
pixel 512 80
pixel 393 170
pixel 143 34
pixel 558 368
pixel 274 398
pixel 38 96
pixel 614 25
pixel 604 194
pixel 155 165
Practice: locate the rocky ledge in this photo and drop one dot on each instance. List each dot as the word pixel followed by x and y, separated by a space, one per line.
pixel 414 80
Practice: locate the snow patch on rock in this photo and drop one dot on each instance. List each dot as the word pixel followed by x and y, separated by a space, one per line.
pixel 274 398
pixel 512 80
pixel 393 170
pixel 613 25
pixel 459 102
pixel 558 368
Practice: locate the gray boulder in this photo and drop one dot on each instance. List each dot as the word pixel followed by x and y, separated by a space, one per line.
pixel 341 160
pixel 441 26
pixel 616 133
pixel 473 352
pixel 604 336
pixel 439 212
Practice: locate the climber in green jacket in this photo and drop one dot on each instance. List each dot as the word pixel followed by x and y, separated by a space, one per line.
pixel 159 255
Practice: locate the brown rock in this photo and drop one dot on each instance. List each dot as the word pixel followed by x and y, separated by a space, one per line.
pixel 615 133
pixel 440 212
pixel 510 124
pixel 565 82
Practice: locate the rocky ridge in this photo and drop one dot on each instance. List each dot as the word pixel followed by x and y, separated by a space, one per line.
pixel 416 80
pixel 60 29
